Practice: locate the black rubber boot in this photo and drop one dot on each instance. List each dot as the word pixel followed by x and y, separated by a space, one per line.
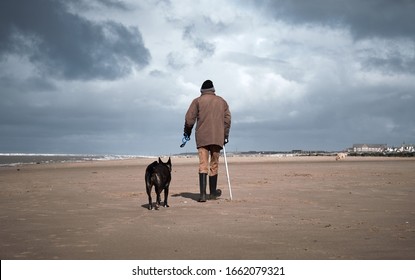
pixel 213 182
pixel 202 185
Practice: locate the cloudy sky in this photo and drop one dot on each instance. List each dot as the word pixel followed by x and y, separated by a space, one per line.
pixel 117 77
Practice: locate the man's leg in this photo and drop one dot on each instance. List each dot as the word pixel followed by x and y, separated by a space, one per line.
pixel 214 169
pixel 203 171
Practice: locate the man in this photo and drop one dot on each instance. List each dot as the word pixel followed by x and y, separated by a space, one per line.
pixel 211 112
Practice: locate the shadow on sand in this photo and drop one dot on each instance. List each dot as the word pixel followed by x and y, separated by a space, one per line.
pixel 193 196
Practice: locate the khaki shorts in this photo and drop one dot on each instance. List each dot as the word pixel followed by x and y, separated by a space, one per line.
pixel 204 166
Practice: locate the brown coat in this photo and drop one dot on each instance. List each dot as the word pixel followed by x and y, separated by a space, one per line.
pixel 213 119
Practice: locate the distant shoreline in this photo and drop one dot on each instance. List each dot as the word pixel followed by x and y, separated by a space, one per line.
pixel 19 159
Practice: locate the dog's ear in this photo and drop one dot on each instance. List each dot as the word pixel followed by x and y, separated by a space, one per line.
pixel 169 163
pixel 160 160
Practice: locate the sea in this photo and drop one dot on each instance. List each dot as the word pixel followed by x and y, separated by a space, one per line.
pixel 17 159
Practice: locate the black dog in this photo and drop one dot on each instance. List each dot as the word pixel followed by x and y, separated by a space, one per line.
pixel 159 175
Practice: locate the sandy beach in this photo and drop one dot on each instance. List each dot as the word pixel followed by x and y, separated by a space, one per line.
pixel 311 208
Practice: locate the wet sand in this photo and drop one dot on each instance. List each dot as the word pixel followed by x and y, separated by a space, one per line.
pixel 308 208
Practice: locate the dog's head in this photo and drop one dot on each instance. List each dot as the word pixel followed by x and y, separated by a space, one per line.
pixel 168 163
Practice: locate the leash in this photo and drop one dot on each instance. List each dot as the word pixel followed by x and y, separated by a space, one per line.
pixel 184 140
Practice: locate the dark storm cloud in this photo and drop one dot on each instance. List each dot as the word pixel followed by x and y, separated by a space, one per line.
pixel 66 45
pixel 80 5
pixel 370 19
pixel 38 116
pixel 114 4
pixel 365 19
pixel 392 63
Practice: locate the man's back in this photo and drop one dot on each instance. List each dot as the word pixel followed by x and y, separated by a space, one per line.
pixel 213 119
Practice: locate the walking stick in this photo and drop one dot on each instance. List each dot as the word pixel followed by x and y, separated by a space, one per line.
pixel 227 171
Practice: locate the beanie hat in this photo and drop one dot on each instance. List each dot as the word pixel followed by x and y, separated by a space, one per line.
pixel 207 86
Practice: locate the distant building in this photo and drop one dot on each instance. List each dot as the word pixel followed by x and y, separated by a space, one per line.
pixel 369 148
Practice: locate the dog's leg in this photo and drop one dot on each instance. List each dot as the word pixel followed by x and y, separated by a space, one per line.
pixel 166 195
pixel 150 202
pixel 158 202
